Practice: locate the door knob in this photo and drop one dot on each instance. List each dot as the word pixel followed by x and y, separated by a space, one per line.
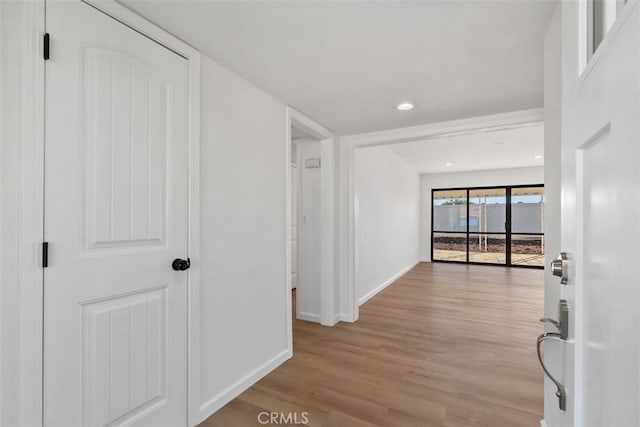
pixel 180 264
pixel 560 267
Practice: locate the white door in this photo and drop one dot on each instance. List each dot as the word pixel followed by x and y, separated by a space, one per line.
pixel 116 198
pixel 601 220
pixel 294 226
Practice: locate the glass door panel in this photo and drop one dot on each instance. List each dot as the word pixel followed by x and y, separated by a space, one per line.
pixel 527 210
pixel 450 247
pixel 487 220
pixel 527 250
pixel 527 226
pixel 450 211
pixel 488 248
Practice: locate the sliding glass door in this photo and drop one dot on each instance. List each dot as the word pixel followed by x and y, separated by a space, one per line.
pixel 489 225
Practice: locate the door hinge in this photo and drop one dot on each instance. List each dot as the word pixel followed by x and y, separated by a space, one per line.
pixel 46 46
pixel 45 254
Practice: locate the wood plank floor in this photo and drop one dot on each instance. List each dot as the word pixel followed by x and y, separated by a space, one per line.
pixel 445 345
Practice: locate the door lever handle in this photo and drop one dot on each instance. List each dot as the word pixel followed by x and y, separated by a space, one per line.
pixel 552 321
pixel 562 327
pixel 562 324
pixel 561 391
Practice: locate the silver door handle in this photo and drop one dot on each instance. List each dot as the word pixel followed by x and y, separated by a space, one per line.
pixel 562 324
pixel 560 267
pixel 561 392
pixel 552 321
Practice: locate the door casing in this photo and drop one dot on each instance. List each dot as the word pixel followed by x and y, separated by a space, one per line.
pixel 328 290
pixel 30 330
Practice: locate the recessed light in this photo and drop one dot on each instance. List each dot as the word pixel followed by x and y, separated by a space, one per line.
pixel 405 106
pixel 448 164
pixel 538 157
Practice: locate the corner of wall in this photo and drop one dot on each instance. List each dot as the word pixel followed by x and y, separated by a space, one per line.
pixel 386 283
pixel 234 390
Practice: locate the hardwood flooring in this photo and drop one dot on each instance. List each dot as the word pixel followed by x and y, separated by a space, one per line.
pixel 445 345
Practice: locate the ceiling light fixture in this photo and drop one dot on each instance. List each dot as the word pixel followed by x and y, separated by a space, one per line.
pixel 448 164
pixel 405 106
pixel 538 157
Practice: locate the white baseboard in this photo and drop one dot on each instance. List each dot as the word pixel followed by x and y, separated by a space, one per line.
pixel 309 317
pixel 227 395
pixel 379 288
pixel 344 317
pixel 335 320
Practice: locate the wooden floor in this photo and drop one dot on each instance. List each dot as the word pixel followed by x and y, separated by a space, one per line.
pixel 445 345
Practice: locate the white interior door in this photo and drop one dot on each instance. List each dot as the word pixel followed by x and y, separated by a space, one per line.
pixel 600 222
pixel 116 206
pixel 294 226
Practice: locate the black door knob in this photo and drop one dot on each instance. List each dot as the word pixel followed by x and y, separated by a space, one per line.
pixel 180 264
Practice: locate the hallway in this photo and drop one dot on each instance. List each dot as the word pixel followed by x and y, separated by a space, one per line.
pixel 446 345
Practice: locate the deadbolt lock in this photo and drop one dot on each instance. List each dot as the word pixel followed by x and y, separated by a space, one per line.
pixel 560 267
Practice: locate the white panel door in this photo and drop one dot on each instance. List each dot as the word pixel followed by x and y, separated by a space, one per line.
pixel 116 199
pixel 294 226
pixel 600 224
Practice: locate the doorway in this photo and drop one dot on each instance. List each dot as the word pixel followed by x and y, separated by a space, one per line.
pixel 310 222
pixel 306 225
pixel 419 135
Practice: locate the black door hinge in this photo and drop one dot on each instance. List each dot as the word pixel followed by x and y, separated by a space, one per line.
pixel 45 254
pixel 46 46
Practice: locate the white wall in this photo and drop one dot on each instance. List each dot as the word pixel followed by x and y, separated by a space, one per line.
pixel 243 327
pixel 552 179
pixel 387 219
pixel 515 176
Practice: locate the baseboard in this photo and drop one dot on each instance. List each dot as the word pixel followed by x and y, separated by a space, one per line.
pixel 335 320
pixel 227 395
pixel 378 289
pixel 344 317
pixel 309 317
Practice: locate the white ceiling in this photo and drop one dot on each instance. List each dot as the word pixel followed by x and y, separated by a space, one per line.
pixel 483 150
pixel 348 64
